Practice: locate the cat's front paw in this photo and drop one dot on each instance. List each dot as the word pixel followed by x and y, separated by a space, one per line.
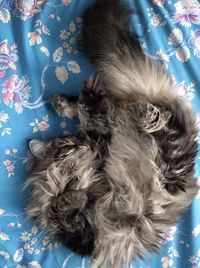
pixel 55 102
pixel 64 106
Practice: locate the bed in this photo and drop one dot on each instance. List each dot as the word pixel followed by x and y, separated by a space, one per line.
pixel 39 57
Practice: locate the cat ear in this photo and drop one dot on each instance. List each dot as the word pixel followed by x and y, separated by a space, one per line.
pixel 37 148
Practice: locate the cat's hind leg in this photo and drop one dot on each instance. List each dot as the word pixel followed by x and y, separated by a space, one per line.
pixel 172 126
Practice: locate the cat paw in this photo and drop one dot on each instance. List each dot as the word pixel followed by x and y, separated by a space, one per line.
pixel 72 200
pixel 64 106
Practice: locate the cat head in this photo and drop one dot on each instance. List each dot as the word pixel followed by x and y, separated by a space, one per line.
pixel 56 150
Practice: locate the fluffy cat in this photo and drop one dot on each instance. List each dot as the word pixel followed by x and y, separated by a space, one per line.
pixel 112 189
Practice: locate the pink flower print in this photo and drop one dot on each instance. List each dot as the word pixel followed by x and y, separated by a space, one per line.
pixel 66 2
pixel 169 234
pixel 16 92
pixel 34 38
pixel 187 92
pixel 30 250
pixel 7 162
pixel 51 16
pixel 2 73
pixel 8 57
pixel 26 9
pixel 10 167
pixel 187 12
pixel 19 225
pixel 7 152
pixel 33 241
pixel 8 97
pixel 43 126
pixel 181 89
pixel 11 224
pixel 26 246
pixel 167 262
pixel 8 90
pixel 10 83
pixel 196 230
pixel 5 49
pixel 159 2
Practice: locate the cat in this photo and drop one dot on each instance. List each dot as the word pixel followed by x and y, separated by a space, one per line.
pixel 110 190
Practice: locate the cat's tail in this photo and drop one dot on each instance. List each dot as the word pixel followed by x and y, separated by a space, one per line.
pixel 117 54
pixel 106 28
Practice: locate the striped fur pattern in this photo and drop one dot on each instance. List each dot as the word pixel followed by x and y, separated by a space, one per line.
pixel 112 189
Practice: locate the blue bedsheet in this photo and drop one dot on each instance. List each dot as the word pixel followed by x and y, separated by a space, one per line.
pixel 38 58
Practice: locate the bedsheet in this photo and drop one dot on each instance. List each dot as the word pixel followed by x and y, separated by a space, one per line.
pixel 39 57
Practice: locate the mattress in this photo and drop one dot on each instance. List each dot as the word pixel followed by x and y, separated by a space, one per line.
pixel 39 57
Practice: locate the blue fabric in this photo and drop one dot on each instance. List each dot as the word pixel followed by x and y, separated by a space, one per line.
pixel 38 58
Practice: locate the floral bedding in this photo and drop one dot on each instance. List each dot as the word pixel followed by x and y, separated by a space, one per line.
pixel 39 57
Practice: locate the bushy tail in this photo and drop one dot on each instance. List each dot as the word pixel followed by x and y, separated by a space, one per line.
pixel 116 52
pixel 106 30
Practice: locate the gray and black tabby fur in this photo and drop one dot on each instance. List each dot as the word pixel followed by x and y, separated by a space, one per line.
pixel 112 189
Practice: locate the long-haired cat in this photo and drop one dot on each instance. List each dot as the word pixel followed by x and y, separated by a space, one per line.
pixel 112 189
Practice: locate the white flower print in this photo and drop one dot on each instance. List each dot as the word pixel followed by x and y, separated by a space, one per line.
pixel 183 54
pixel 176 37
pixel 25 236
pixel 4 236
